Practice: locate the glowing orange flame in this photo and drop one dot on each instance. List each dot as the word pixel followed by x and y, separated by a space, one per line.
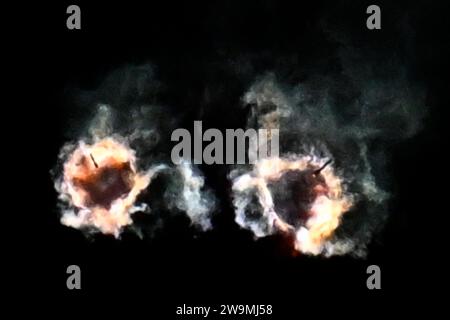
pixel 101 182
pixel 325 212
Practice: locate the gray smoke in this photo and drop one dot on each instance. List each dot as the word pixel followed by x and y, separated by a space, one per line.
pixel 125 107
pixel 352 114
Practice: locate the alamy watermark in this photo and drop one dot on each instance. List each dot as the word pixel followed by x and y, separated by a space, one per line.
pixel 240 146
pixel 374 280
pixel 73 281
pixel 73 21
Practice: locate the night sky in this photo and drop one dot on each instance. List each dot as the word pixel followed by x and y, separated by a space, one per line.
pixel 205 55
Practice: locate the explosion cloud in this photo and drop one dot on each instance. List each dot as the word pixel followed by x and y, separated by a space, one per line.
pixel 335 210
pixel 319 196
pixel 102 178
pixel 326 189
pixel 101 182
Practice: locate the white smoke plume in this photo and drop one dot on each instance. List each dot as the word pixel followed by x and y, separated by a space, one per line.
pixel 195 201
pixel 103 175
pixel 320 119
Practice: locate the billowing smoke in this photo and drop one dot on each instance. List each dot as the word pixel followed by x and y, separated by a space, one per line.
pixel 103 176
pixel 195 201
pixel 100 183
pixel 328 189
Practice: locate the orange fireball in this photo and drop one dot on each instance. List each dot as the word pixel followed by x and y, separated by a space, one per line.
pixel 311 217
pixel 101 183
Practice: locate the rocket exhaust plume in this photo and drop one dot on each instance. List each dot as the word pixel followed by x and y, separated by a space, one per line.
pixel 101 183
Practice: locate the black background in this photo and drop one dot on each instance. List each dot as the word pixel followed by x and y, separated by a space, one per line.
pixel 187 41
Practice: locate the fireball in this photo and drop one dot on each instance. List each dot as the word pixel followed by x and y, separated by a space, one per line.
pixel 100 182
pixel 301 196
